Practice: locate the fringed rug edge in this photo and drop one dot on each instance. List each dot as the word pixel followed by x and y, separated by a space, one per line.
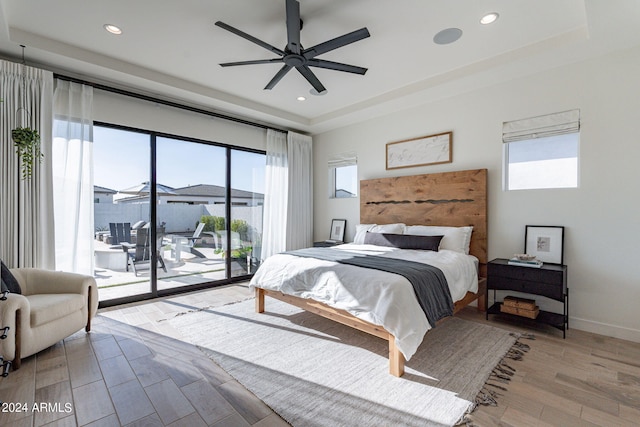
pixel 501 374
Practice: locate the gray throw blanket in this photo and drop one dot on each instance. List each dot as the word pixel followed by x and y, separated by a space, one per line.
pixel 428 282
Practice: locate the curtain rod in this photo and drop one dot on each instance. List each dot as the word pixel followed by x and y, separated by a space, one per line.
pixel 166 102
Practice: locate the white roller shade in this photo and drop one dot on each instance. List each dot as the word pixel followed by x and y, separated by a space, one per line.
pixel 343 159
pixel 542 126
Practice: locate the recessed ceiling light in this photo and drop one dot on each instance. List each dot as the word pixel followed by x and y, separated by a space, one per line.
pixel 489 18
pixel 301 98
pixel 448 35
pixel 113 29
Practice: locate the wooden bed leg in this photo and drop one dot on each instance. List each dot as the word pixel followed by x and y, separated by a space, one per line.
pixel 396 359
pixel 259 300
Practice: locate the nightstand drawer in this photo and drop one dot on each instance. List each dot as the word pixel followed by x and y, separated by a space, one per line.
pixel 554 291
pixel 544 275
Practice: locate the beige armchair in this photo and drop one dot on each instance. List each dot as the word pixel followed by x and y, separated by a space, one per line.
pixel 52 306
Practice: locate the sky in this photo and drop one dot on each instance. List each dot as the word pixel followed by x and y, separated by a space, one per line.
pixel 122 159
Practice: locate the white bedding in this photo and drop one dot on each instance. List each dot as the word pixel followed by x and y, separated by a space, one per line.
pixel 375 296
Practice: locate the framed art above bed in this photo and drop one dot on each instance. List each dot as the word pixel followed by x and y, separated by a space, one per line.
pixel 421 151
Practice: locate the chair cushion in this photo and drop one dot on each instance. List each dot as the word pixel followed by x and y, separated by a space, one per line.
pixel 9 282
pixel 46 308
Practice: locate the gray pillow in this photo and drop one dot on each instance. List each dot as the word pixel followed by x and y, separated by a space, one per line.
pixel 9 282
pixel 403 241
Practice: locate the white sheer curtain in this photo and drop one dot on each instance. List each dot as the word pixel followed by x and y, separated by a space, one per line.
pixel 275 197
pixel 26 206
pixel 288 200
pixel 300 198
pixel 73 176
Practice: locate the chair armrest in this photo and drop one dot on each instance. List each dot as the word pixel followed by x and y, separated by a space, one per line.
pixel 8 309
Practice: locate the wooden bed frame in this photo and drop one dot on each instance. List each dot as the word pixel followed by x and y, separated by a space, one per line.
pixel 449 198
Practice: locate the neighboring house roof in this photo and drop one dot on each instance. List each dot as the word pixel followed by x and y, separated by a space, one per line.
pixel 105 190
pixel 343 193
pixel 207 190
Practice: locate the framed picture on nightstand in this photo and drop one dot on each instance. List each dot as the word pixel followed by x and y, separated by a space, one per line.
pixel 546 243
pixel 337 230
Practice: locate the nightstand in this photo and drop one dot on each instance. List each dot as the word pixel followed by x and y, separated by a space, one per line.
pixel 549 281
pixel 325 244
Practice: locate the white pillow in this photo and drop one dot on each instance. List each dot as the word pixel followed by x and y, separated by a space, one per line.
pixel 455 238
pixel 397 228
pixel 361 230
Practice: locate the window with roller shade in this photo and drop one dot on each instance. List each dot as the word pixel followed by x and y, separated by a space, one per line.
pixel 542 152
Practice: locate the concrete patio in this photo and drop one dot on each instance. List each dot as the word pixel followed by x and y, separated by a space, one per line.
pixel 183 269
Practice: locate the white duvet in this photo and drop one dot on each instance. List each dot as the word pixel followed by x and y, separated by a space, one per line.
pixel 375 296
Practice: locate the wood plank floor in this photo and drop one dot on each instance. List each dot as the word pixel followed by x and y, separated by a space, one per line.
pixel 583 380
pixel 134 370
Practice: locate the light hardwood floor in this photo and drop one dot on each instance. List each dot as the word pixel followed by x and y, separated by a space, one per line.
pixel 133 369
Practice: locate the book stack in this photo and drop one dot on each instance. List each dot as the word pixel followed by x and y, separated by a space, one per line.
pixel 520 307
pixel 525 263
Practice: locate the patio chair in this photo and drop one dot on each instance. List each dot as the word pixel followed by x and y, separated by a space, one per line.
pixel 140 253
pixel 120 232
pixel 134 230
pixel 193 239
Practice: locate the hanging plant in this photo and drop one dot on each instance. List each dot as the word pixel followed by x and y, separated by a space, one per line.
pixel 27 142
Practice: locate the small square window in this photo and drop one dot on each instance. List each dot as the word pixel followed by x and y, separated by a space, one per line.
pixel 343 181
pixel 550 162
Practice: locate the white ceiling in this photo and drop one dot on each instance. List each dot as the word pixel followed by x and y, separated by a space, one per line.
pixel 171 48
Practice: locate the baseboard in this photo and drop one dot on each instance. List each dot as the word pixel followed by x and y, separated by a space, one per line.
pixel 605 329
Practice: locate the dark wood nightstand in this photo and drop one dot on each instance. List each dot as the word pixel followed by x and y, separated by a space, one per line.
pixel 549 281
pixel 325 244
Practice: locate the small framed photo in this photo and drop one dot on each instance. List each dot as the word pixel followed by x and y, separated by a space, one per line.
pixel 546 243
pixel 337 230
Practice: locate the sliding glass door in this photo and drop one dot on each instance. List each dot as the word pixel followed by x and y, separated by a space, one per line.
pixel 191 208
pixel 247 205
pixel 121 170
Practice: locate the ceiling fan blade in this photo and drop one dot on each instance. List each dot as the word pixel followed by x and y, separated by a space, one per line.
pixel 279 75
pixel 293 26
pixel 250 38
pixel 338 66
pixel 256 61
pixel 311 78
pixel 332 44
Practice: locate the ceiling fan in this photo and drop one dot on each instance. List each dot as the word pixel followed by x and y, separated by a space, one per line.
pixel 295 56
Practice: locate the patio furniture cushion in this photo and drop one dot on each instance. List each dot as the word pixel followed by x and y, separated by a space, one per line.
pixel 46 308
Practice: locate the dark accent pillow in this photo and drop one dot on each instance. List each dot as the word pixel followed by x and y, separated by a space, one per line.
pixel 403 241
pixel 9 282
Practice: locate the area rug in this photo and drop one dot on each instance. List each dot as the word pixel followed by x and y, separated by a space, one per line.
pixel 316 372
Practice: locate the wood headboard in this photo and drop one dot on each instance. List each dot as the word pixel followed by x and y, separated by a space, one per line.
pixel 450 198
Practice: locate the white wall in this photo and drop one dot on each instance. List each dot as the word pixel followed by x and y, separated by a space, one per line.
pixel 601 217
pixel 127 111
